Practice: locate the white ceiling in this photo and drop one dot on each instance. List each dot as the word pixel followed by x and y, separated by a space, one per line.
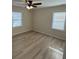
pixel 45 3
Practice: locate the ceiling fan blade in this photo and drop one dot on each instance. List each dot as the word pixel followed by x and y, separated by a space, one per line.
pixel 37 3
pixel 34 6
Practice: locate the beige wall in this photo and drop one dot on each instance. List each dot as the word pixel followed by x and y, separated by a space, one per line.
pixel 42 19
pixel 26 21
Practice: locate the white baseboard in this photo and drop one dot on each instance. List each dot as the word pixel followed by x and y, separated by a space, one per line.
pixel 21 32
pixel 54 36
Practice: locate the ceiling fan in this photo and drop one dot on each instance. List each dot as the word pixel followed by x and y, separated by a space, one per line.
pixel 29 4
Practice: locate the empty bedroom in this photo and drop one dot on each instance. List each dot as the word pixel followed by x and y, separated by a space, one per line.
pixel 38 29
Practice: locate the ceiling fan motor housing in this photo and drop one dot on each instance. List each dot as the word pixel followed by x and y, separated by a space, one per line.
pixel 30 3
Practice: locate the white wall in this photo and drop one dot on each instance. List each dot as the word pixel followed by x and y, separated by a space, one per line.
pixel 26 21
pixel 42 19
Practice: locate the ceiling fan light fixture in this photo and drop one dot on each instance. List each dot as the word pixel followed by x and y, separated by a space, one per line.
pixel 29 7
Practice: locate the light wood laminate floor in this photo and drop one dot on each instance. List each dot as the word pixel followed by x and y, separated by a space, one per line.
pixel 34 45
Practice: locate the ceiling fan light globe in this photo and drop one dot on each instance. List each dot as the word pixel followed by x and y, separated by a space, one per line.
pixel 29 7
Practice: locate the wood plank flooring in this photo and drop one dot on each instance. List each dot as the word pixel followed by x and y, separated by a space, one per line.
pixel 34 45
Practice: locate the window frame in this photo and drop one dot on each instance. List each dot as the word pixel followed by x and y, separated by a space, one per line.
pixel 52 19
pixel 21 19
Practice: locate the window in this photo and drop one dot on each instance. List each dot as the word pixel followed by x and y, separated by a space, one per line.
pixel 16 19
pixel 58 20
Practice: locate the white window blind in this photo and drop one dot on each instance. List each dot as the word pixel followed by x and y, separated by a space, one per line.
pixel 58 20
pixel 16 19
